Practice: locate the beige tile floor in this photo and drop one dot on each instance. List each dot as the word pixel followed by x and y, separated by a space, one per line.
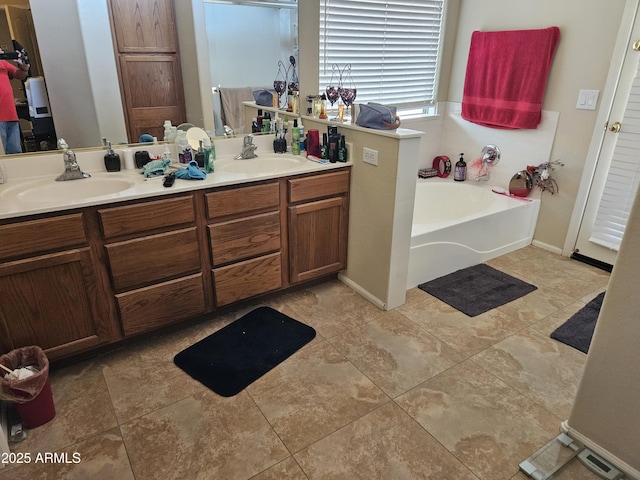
pixel 420 392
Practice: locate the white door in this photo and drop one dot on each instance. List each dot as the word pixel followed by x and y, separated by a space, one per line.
pixel 617 172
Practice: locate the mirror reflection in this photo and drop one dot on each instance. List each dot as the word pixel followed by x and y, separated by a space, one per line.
pixel 72 43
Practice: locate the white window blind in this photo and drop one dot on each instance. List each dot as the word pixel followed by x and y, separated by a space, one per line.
pixel 393 48
pixel 623 178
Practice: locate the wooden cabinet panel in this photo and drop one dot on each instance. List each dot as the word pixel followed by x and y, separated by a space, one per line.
pixel 153 93
pixel 161 304
pixel 140 25
pixel 150 259
pixel 143 217
pixel 318 186
pixel 317 238
pixel 242 200
pixel 245 279
pixel 245 237
pixel 46 301
pixel 37 236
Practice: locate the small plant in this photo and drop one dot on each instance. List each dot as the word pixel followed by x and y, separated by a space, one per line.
pixel 541 176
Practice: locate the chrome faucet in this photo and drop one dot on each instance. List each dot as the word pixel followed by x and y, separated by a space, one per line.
pixel 248 148
pixel 490 157
pixel 71 168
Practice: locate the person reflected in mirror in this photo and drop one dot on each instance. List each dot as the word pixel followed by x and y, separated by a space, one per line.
pixel 9 124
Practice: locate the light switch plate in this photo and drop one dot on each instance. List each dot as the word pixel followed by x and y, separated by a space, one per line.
pixel 587 99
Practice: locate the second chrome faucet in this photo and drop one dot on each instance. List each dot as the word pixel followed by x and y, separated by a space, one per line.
pixel 248 148
pixel 71 168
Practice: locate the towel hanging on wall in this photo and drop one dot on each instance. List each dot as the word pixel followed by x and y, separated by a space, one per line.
pixel 506 77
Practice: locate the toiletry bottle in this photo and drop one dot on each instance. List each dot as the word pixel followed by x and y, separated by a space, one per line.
pixel 200 160
pixel 295 138
pixel 166 155
pixel 276 142
pixel 266 123
pixel 342 150
pixel 303 140
pixel 167 130
pixel 259 118
pixel 460 173
pixel 185 155
pixel 334 140
pixel 209 155
pixel 173 133
pixel 111 159
pixel 324 148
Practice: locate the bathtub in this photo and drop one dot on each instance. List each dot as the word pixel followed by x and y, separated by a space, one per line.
pixel 460 224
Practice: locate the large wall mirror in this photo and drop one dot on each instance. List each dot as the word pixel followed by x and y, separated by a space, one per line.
pixel 222 44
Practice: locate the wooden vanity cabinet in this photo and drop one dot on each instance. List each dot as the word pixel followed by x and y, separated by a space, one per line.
pixel 73 281
pixel 318 224
pixel 51 291
pixel 245 241
pixel 154 261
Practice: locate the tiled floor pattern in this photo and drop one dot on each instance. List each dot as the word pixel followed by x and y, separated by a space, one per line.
pixel 420 392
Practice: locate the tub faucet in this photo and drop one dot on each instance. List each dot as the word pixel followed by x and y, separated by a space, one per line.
pixel 248 148
pixel 71 168
pixel 490 157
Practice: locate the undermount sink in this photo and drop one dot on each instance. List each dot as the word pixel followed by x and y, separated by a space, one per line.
pixel 48 190
pixel 272 163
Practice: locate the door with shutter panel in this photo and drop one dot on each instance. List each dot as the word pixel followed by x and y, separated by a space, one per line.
pixel 617 174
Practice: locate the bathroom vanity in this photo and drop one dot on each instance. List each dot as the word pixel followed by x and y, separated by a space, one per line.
pixel 73 279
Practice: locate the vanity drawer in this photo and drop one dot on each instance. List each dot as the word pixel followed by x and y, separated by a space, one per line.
pixel 245 237
pixel 161 304
pixel 147 216
pixel 37 236
pixel 146 260
pixel 241 200
pixel 318 186
pixel 246 279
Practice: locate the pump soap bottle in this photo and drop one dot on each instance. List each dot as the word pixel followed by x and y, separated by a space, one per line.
pixel 111 159
pixel 460 173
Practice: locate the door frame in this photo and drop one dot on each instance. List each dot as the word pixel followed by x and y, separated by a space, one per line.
pixel 597 139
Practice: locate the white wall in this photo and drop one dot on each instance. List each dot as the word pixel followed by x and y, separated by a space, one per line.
pixel 246 42
pixel 85 100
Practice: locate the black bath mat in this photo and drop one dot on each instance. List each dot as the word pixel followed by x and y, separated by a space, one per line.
pixel 240 353
pixel 578 330
pixel 478 289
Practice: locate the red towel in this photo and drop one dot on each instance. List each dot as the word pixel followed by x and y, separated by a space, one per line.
pixel 507 75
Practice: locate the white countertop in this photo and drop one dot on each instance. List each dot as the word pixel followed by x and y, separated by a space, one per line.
pixel 34 173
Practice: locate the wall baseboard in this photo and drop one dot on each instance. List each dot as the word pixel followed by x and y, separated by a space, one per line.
pixel 362 292
pixel 546 246
pixel 630 472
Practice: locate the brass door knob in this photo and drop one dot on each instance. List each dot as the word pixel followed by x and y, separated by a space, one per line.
pixel 615 127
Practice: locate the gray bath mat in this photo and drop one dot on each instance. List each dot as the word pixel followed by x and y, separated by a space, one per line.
pixel 477 289
pixel 578 330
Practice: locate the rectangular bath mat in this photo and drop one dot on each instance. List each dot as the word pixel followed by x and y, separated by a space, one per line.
pixel 478 289
pixel 235 356
pixel 578 330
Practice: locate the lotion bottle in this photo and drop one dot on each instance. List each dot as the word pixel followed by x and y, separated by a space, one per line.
pixel 460 173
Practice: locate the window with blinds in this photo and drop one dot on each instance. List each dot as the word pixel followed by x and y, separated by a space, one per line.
pixel 393 48
pixel 623 177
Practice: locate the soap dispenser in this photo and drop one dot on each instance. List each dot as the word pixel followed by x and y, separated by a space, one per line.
pixel 460 172
pixel 111 159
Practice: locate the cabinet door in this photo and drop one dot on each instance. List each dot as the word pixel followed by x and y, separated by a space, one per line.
pixel 317 238
pixel 46 301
